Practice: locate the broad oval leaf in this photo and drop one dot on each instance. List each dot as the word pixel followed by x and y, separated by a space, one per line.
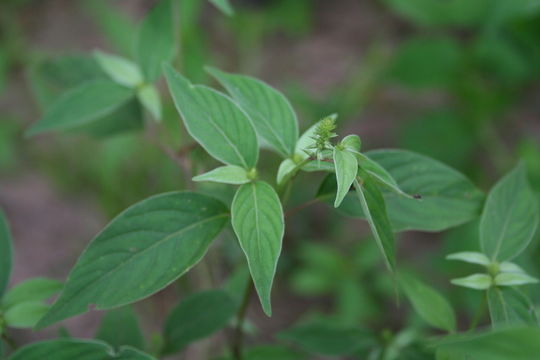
pixel 120 327
pixel 271 113
pixel 197 317
pixel 121 70
pixel 35 289
pixel 505 344
pixel 70 349
pixel 141 251
pixel 155 43
pixel 510 217
pixel 229 174
pixel 448 197
pixel 346 168
pixel 6 253
pixel 216 122
pixel 326 339
pixel 257 219
pixel 25 314
pixel 509 306
pixel 374 208
pixel 82 105
pixel 428 303
pixel 352 143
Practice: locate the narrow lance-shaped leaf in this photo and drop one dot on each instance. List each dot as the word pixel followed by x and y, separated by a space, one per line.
pixel 510 217
pixel 122 71
pixel 197 317
pixel 509 306
pixel 216 122
pixel 514 279
pixel 428 303
pixel 381 175
pixel 82 105
pixel 257 219
pixel 471 257
pixel 270 111
pixel 346 170
pixel 224 5
pixel 6 249
pixel 374 208
pixel 149 98
pixel 141 251
pixel 70 349
pixel 229 174
pixel 474 281
pixel 155 43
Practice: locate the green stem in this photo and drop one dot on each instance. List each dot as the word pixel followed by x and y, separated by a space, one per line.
pixel 479 313
pixel 238 340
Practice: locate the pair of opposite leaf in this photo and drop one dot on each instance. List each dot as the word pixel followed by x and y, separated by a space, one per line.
pixel 154 45
pixel 228 131
pixel 508 223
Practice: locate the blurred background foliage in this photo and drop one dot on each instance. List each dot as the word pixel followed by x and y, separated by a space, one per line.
pixel 457 80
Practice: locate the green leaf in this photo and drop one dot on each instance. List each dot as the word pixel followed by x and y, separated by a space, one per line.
pixel 155 43
pixel 514 278
pixel 429 303
pixel 257 219
pixel 352 143
pixel 474 281
pixel 448 197
pixel 229 174
pixel 510 267
pixel 271 113
pixel 197 317
pixel 286 169
pixel 215 121
pixel 141 251
pixel 471 257
pixel 325 339
pixel 269 352
pixel 25 314
pixel 306 141
pixel 82 105
pixel 510 217
pixel 119 69
pixel 517 343
pixel 35 289
pixel 346 169
pixel 426 62
pixel 224 6
pixel 70 349
pixel 373 206
pixel 509 306
pixel 149 98
pixel 120 327
pixel 380 174
pixel 6 253
pixel 114 23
